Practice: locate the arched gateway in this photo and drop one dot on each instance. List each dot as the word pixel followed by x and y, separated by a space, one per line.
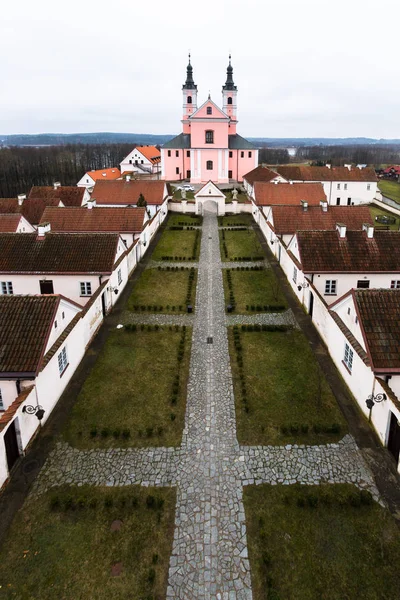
pixel 210 198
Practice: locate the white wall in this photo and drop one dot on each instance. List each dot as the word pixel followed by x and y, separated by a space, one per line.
pixel 347 281
pixel 67 285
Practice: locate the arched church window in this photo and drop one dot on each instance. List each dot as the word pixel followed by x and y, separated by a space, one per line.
pixel 209 165
pixel 209 137
pixel 189 99
pixel 230 100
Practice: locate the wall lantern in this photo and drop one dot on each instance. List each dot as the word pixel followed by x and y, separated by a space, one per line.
pixel 302 286
pixel 34 410
pixel 371 400
pixel 115 290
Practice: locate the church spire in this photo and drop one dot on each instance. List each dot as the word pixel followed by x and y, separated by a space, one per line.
pixel 189 83
pixel 229 84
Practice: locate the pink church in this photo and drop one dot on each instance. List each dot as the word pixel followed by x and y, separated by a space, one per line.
pixel 209 147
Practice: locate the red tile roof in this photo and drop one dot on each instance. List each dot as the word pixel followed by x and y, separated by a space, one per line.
pixel 270 194
pixel 105 219
pixel 58 253
pixel 9 223
pixel 9 205
pixel 379 317
pixel 151 153
pixel 128 192
pixel 325 252
pixel 70 195
pixel 33 208
pixel 106 174
pixel 289 219
pixel 260 173
pixel 25 325
pixel 306 173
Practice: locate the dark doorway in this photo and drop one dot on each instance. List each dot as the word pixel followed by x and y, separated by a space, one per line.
pixel 188 174
pixel 337 201
pixel 230 175
pixel 11 444
pixel 394 437
pixel 348 201
pixel 46 287
pixel 311 305
pixel 103 303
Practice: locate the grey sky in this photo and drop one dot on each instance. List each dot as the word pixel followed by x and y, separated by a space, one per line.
pixel 302 67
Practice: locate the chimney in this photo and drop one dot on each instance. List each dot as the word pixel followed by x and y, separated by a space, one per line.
pixel 43 228
pixel 128 178
pixel 369 229
pixel 348 167
pixel 341 229
pixel 56 185
pixel 276 182
pixel 91 203
pixel 21 198
pixel 291 182
pixel 324 205
pixel 304 205
pixel 328 165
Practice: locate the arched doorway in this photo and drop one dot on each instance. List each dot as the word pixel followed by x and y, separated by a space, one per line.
pixel 210 206
pixel 210 196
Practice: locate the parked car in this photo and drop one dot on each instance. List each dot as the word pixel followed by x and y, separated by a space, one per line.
pixel 186 186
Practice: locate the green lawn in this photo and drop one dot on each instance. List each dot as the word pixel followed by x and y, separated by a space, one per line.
pixel 319 543
pixel 61 547
pixel 236 220
pixel 135 394
pixel 163 291
pixel 253 290
pixel 391 189
pixel 175 219
pixel 178 195
pixel 281 394
pixel 178 245
pixel 378 211
pixel 240 245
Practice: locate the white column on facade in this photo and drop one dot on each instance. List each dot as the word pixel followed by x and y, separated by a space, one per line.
pixel 219 164
pixel 199 164
pixel 162 163
pixel 226 163
pixel 192 173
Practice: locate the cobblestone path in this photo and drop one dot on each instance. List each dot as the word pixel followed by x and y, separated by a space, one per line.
pixel 209 557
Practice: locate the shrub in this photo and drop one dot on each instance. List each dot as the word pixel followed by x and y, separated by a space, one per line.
pixel 149 431
pixel 108 501
pixel 82 502
pixel 150 501
pixel 312 500
pixel 69 503
pixel 92 503
pixel 93 432
pixel 160 431
pixel 105 432
pixel 151 577
pixel 135 502
pixel 116 433
pixel 126 433
pixel 366 498
pixel 154 560
pixel 55 503
pixel 172 416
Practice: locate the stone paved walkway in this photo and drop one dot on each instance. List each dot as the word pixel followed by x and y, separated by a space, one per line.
pixel 209 556
pixel 154 264
pixel 248 263
pixel 267 318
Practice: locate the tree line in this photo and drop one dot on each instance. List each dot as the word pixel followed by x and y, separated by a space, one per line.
pixel 339 155
pixel 22 167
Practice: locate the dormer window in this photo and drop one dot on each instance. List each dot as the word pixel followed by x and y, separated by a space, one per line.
pixel 189 99
pixel 209 137
pixel 209 110
pixel 229 100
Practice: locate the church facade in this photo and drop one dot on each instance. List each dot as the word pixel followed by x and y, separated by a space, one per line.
pixel 208 147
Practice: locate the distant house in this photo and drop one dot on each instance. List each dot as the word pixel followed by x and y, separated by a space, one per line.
pixel 14 223
pixel 260 173
pixel 69 195
pixel 71 264
pixel 343 186
pixel 127 193
pixel 128 222
pixel 392 171
pixel 142 160
pixel 91 177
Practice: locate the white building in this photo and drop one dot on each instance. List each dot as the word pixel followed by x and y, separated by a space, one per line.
pixel 261 174
pixel 142 160
pixel 90 178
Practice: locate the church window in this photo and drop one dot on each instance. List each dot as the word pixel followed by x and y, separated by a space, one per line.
pixel 209 165
pixel 230 154
pixel 176 152
pixel 229 100
pixel 188 153
pixel 177 170
pixel 169 152
pixel 242 154
pixel 189 99
pixel 249 154
pixel 209 110
pixel 209 137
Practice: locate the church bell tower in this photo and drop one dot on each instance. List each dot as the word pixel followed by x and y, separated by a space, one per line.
pixel 229 97
pixel 189 92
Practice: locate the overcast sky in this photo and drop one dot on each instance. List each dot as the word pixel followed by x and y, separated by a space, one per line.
pixel 304 68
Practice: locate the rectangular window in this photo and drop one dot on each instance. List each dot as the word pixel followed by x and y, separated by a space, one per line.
pixel 119 277
pixel 86 288
pixel 395 284
pixel 368 186
pixel 188 153
pixel 209 137
pixel 338 186
pixel 345 186
pixel 176 153
pixel 249 154
pixel 62 361
pixel 63 315
pixel 169 152
pixel 330 287
pixel 209 165
pixel 337 201
pixel 294 274
pixel 55 324
pixel 348 201
pixel 242 155
pixel 348 357
pixel 363 283
pixel 177 170
pixel 1 401
pixel 230 154
pixel 209 110
pixel 7 288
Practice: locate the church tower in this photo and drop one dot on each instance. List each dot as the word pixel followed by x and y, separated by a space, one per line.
pixel 229 98
pixel 189 92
